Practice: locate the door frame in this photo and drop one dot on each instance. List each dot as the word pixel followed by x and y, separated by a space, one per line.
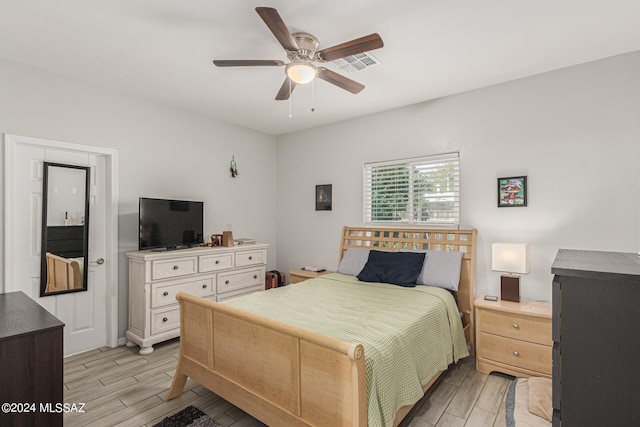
pixel 111 197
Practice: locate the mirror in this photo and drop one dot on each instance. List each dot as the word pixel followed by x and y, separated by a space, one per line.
pixel 65 229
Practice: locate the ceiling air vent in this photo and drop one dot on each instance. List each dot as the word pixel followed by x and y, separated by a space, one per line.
pixel 354 63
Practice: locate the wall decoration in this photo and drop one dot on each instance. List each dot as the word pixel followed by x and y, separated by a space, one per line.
pixel 512 191
pixel 233 168
pixel 323 197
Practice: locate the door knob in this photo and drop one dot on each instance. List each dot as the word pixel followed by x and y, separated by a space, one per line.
pixel 100 261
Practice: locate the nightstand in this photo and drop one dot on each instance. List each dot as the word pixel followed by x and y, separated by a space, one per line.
pixel 297 276
pixel 513 338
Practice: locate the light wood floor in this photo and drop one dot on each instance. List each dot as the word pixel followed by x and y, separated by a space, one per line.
pixel 120 387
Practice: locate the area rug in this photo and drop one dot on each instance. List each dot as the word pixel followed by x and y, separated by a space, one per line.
pixel 188 417
pixel 516 405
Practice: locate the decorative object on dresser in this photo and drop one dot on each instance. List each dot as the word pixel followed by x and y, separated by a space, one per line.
pixel 30 363
pixel 510 258
pixel 596 310
pixel 214 273
pixel 227 236
pixel 513 338
pixel 299 275
pixel 244 241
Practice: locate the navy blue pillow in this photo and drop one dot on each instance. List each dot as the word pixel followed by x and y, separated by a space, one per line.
pixel 398 268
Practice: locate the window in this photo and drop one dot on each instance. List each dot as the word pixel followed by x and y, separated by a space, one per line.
pixel 419 191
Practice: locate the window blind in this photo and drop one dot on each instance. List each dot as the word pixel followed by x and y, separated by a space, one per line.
pixel 417 191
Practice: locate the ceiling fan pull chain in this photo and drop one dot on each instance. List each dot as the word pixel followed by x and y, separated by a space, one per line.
pixel 313 98
pixel 290 115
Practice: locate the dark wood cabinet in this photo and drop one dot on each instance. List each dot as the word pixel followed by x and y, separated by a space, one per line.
pixel 31 363
pixel 596 310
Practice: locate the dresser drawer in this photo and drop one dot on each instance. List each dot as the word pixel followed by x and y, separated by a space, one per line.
pixel 163 294
pixel 215 262
pixel 247 258
pixel 521 354
pixel 165 320
pixel 517 326
pixel 240 279
pixel 165 269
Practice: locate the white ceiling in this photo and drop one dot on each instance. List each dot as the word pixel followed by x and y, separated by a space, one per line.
pixel 162 50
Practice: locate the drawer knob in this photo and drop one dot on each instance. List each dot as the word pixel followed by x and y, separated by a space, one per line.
pixel 250 258
pixel 165 293
pixel 255 276
pixel 516 353
pixel 204 286
pixel 175 267
pixel 164 319
pixel 217 261
pixel 226 282
pixel 516 326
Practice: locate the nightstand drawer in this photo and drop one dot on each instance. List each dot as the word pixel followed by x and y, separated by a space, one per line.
pixel 517 326
pixel 516 353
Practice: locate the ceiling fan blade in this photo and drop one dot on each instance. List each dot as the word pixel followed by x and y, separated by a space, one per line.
pixel 353 47
pixel 247 63
pixel 285 90
pixel 272 18
pixel 339 80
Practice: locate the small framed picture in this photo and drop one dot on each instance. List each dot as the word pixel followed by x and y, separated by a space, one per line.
pixel 512 191
pixel 323 197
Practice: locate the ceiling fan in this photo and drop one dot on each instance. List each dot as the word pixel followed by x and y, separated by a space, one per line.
pixel 302 51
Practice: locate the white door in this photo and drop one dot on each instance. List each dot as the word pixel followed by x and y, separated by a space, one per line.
pixel 85 314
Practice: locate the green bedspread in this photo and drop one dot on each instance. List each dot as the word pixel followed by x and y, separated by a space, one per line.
pixel 408 334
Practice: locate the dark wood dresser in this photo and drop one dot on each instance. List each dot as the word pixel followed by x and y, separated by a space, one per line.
pixel 31 363
pixel 596 349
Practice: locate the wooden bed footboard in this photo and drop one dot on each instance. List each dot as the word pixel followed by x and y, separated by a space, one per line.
pixel 282 374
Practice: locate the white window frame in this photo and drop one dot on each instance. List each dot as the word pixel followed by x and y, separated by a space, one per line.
pixel 442 218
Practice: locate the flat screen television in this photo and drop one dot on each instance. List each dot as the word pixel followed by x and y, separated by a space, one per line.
pixel 170 224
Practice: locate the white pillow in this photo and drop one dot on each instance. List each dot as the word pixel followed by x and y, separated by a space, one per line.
pixel 353 261
pixel 441 269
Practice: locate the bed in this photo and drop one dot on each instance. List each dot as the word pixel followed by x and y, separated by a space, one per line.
pixel 284 373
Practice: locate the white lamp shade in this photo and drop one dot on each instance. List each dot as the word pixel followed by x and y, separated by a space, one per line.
pixel 510 257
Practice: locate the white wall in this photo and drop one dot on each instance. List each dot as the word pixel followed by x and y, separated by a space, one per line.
pixel 163 152
pixel 574 132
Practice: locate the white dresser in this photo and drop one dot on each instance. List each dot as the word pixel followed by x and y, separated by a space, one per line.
pixel 214 273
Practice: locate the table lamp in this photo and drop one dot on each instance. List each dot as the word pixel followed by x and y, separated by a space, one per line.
pixel 510 258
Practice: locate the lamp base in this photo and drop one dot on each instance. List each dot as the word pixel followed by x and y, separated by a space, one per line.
pixel 510 288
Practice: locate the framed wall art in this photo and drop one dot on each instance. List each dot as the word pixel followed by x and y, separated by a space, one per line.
pixel 512 191
pixel 323 197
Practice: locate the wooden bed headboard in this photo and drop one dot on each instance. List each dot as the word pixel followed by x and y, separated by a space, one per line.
pixel 426 239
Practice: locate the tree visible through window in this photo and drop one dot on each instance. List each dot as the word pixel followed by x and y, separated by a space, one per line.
pixel 413 191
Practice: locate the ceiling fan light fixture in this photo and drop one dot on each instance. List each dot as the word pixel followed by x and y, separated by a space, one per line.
pixel 301 72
